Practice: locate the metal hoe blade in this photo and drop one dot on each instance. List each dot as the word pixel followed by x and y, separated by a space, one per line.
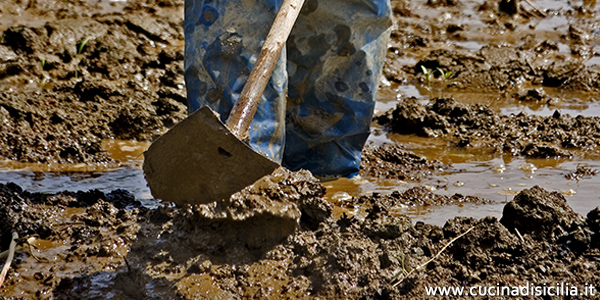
pixel 199 161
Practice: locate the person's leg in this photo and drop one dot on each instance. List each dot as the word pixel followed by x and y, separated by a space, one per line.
pixel 222 41
pixel 335 56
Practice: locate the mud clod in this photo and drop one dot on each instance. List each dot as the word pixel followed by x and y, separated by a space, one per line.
pixel 582 172
pixel 544 215
pixel 393 162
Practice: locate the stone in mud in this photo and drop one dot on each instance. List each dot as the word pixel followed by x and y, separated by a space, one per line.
pixel 532 95
pixel 582 172
pixel 542 214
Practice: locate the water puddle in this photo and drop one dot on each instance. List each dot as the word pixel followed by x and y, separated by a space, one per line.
pixel 555 5
pixel 469 45
pixel 53 178
pixel 24 13
pixel 477 172
pixel 571 103
pixel 594 61
pixel 480 172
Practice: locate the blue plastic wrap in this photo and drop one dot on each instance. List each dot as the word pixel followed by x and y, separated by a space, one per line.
pixel 317 108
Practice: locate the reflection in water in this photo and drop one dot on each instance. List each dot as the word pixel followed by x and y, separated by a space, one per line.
pixel 477 172
pixel 480 178
pixel 129 179
pixel 574 104
pixel 52 178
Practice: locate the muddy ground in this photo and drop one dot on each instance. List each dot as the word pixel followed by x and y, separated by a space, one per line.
pixel 78 77
pixel 73 74
pixel 90 245
pixel 479 126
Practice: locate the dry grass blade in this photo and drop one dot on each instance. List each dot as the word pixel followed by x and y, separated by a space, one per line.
pixel 11 254
pixel 433 258
pixel 541 12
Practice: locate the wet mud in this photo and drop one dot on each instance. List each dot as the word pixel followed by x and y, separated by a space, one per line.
pixel 83 77
pixel 479 126
pixel 90 245
pixel 74 75
pixel 392 162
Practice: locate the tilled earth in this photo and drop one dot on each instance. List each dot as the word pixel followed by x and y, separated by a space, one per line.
pixel 73 74
pixel 479 126
pixel 90 245
pixel 82 77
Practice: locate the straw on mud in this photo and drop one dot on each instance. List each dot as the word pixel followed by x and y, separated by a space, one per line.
pixel 520 236
pixel 11 254
pixel 536 8
pixel 29 242
pixel 436 256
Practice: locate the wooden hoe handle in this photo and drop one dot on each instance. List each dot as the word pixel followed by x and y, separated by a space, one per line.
pixel 244 109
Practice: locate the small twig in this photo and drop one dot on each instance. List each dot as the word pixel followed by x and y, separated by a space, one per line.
pixel 438 254
pixel 531 67
pixel 520 236
pixel 11 254
pixel 127 264
pixel 29 242
pixel 536 8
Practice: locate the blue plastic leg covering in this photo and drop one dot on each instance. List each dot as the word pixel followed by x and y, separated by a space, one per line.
pixel 316 110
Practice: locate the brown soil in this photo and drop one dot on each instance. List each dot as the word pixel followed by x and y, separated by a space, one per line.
pixel 393 162
pixel 88 245
pixel 73 74
pixel 479 126
pixel 82 77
